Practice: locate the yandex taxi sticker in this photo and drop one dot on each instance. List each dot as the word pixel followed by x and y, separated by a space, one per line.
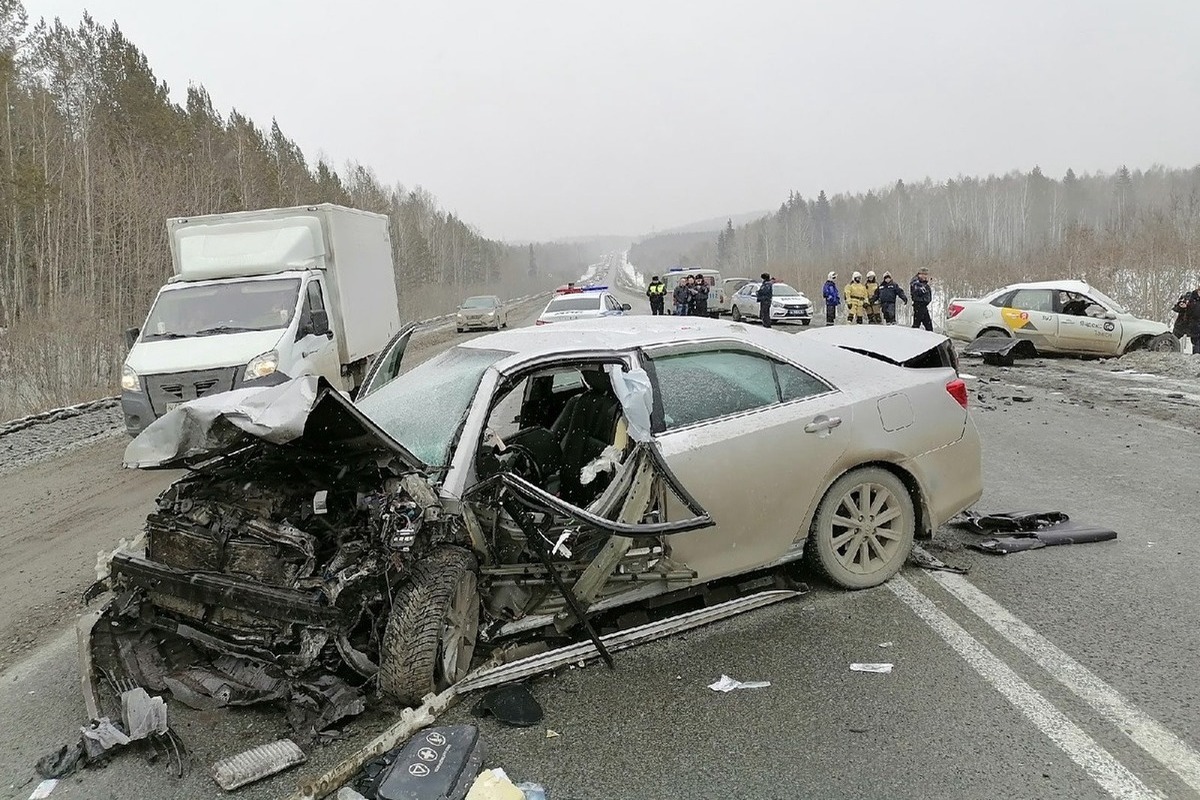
pixel 1017 319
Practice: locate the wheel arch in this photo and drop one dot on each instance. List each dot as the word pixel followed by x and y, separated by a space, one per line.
pixel 920 505
pixel 989 328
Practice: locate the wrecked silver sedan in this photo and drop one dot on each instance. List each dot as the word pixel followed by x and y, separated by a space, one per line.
pixel 511 489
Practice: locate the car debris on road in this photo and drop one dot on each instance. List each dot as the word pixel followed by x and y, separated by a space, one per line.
pixel 1029 530
pixel 727 684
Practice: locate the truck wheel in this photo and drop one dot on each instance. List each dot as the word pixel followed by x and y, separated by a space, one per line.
pixel 863 530
pixel 432 627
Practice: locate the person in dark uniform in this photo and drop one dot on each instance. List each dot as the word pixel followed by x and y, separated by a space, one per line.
pixel 700 297
pixel 922 295
pixel 1191 316
pixel 764 295
pixel 656 291
pixel 886 296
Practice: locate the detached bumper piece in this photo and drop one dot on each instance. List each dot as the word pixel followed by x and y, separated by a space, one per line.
pixel 1029 530
pixel 212 589
pixel 1001 351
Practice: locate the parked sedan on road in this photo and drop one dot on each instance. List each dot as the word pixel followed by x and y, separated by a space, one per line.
pixel 485 311
pixel 787 306
pixel 1057 317
pixel 323 547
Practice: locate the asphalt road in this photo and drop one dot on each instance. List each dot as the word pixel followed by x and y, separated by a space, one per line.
pixel 1063 672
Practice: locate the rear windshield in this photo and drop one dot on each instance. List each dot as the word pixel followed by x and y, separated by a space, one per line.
pixel 575 303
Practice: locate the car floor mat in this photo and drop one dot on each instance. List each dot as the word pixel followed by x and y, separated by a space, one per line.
pixel 512 704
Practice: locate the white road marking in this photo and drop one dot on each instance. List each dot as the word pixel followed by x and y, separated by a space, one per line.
pixel 1150 735
pixel 1097 762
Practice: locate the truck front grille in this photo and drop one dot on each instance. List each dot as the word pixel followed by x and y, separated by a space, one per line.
pixel 180 387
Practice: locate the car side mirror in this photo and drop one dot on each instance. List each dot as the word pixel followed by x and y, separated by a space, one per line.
pixel 318 323
pixel 131 337
pixel 626 307
pixel 1109 315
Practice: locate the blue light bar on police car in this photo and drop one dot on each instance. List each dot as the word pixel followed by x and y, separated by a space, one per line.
pixel 594 289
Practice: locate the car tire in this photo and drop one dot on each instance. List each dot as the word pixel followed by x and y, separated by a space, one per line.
pixel 805 322
pixel 736 313
pixel 1164 343
pixel 837 549
pixel 432 627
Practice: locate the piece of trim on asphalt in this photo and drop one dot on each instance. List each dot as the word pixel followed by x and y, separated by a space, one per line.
pixel 1147 733
pixel 1100 765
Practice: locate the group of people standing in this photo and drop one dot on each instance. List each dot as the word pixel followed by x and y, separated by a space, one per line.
pixel 875 301
pixel 690 296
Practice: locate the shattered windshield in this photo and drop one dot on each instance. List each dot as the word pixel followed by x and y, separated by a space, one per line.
pixel 215 308
pixel 423 408
pixel 1108 301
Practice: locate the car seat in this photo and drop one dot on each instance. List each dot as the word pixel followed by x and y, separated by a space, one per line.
pixel 586 426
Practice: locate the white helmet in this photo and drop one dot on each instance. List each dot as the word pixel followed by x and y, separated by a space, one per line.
pixel 870 274
pixel 857 276
pixel 831 276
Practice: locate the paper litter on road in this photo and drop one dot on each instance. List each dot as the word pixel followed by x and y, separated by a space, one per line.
pixel 880 668
pixel 728 684
pixel 43 789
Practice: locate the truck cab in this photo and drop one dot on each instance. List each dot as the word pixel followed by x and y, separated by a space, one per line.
pixel 258 297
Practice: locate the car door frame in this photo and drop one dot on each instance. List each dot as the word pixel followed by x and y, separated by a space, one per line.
pixel 1039 327
pixel 1097 335
pixel 371 381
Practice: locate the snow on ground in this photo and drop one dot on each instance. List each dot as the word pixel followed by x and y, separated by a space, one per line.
pixel 628 274
pixel 592 271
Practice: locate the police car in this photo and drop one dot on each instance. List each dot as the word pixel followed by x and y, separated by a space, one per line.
pixel 589 302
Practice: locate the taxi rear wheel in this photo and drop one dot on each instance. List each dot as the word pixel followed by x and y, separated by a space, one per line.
pixel 863 530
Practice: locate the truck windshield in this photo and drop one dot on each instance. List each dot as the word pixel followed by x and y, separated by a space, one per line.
pixel 215 308
pixel 422 409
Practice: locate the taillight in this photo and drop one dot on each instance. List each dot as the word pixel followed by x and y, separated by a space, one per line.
pixel 958 390
pixel 953 310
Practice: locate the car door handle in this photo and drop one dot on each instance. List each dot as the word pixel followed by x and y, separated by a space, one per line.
pixel 822 424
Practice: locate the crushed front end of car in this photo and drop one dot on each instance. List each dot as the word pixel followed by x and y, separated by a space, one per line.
pixel 267 571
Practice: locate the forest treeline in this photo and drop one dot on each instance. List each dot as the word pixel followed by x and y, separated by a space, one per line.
pixel 95 155
pixel 1134 234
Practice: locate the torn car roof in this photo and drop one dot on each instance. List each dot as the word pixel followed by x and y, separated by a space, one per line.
pixel 305 411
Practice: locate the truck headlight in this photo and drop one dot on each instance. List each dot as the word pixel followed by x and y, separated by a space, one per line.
pixel 262 366
pixel 130 381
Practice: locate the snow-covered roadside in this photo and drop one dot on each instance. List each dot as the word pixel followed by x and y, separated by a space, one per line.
pixel 628 274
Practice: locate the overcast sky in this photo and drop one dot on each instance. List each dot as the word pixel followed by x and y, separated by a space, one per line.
pixel 559 118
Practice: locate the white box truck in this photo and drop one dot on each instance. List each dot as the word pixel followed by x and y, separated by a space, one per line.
pixel 262 296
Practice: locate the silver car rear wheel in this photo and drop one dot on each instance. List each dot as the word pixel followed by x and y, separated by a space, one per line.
pixel 736 313
pixel 863 530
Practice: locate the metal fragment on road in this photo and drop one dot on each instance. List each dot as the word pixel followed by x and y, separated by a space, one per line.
pixel 256 763
pixel 881 669
pixel 621 640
